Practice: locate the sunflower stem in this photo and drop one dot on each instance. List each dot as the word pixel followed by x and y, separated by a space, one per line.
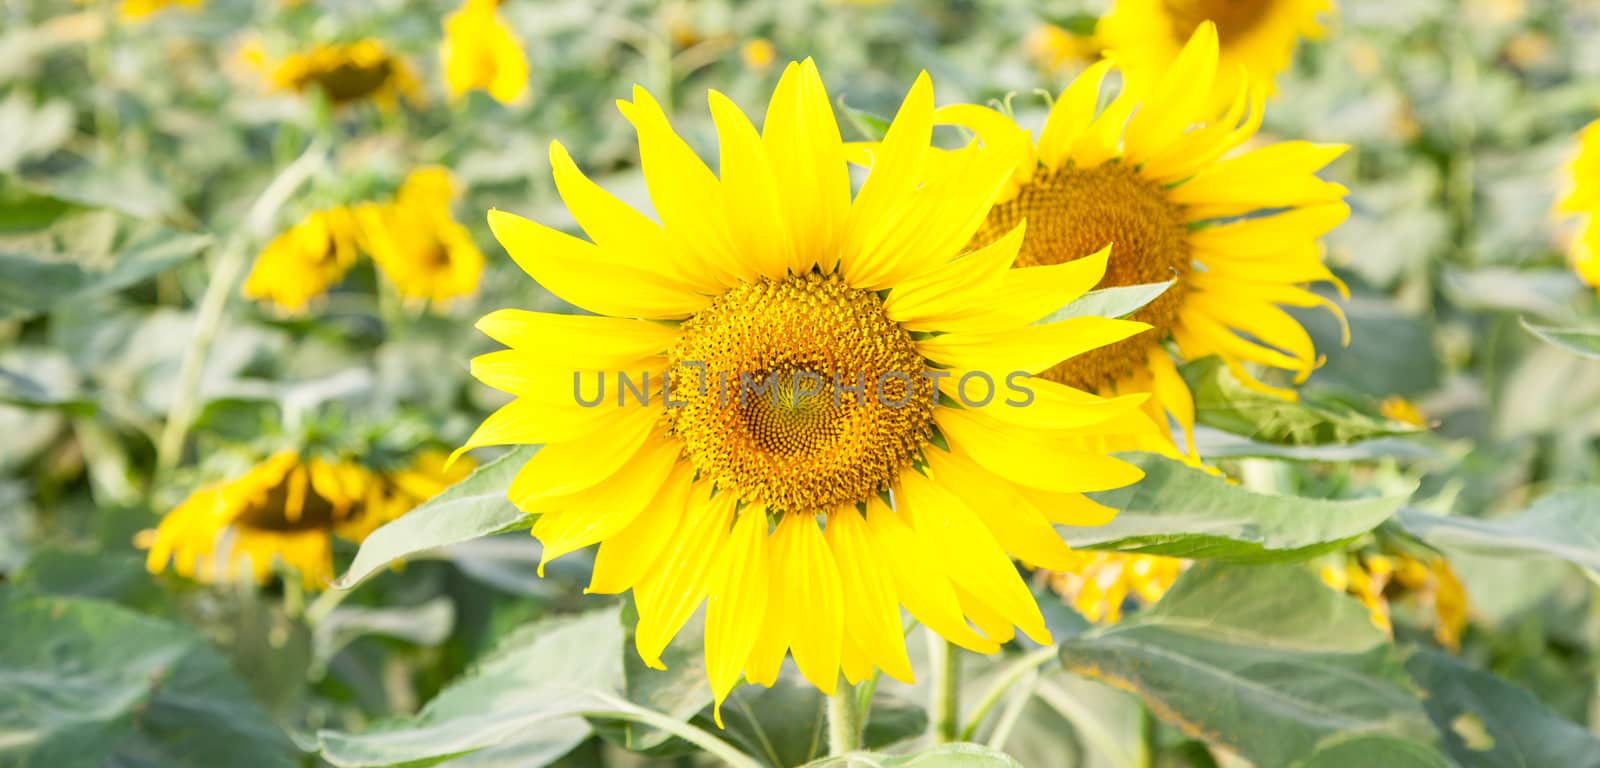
pixel 946 704
pixel 844 720
pixel 214 302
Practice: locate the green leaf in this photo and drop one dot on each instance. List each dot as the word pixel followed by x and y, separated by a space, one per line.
pixel 36 280
pixel 1120 301
pixel 23 391
pixel 943 756
pixel 1221 401
pixel 91 683
pixel 1385 751
pixel 1267 661
pixel 787 724
pixel 872 127
pixel 1180 511
pixel 1489 722
pixel 1583 342
pixel 427 623
pixel 1562 524
pixel 679 691
pixel 476 506
pixel 532 688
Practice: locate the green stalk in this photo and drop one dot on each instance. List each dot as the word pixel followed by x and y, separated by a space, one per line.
pixel 225 274
pixel 946 704
pixel 1003 684
pixel 844 720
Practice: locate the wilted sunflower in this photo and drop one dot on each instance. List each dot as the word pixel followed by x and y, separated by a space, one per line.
pixel 425 253
pixel 1381 580
pixel 346 73
pixel 139 9
pixel 1146 176
pixel 1097 584
pixel 304 261
pixel 1258 37
pixel 805 519
pixel 287 509
pixel 1584 201
pixel 481 52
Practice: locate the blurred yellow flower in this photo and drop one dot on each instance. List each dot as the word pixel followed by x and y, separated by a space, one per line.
pixel 1151 175
pixel 425 253
pixel 802 521
pixel 287 509
pixel 1381 580
pixel 481 52
pixel 139 9
pixel 1097 584
pixel 1257 36
pixel 758 54
pixel 1583 201
pixel 345 73
pixel 304 261
pixel 1054 49
pixel 1402 410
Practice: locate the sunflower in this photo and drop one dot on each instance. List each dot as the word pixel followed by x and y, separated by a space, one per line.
pixel 807 446
pixel 1258 37
pixel 139 9
pixel 1054 49
pixel 287 509
pixel 1146 175
pixel 1584 201
pixel 304 261
pixel 1383 579
pixel 481 52
pixel 425 253
pixel 346 73
pixel 1097 584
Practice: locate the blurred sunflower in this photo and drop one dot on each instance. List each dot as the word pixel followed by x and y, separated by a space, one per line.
pixel 139 9
pixel 1054 49
pixel 803 520
pixel 1584 201
pixel 1146 176
pixel 305 260
pixel 345 73
pixel 1383 579
pixel 417 245
pixel 481 52
pixel 287 509
pixel 1258 37
pixel 1097 584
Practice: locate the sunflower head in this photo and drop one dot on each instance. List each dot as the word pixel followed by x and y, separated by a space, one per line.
pixel 346 73
pixel 1257 37
pixel 1158 176
pixel 1389 577
pixel 426 254
pixel 304 261
pixel 1099 584
pixel 480 52
pixel 286 510
pixel 802 407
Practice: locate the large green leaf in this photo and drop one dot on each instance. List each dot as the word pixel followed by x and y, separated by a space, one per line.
pixel 679 691
pixel 531 689
pixel 1185 512
pixel 1583 342
pixel 942 756
pixel 1562 524
pixel 476 506
pixel 1384 751
pixel 36 280
pixel 1221 401
pixel 91 683
pixel 1491 723
pixel 1267 661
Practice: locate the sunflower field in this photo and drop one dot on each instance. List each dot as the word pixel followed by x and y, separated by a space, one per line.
pixel 620 383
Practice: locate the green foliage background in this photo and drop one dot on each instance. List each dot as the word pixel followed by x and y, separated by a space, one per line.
pixel 132 156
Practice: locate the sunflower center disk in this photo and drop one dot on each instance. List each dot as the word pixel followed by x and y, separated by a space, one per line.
pixel 1234 18
pixel 268 510
pixel 812 397
pixel 1074 212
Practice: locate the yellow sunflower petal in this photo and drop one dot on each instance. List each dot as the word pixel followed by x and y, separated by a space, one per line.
pixel 737 604
pixel 814 602
pixel 870 601
pixel 1030 457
